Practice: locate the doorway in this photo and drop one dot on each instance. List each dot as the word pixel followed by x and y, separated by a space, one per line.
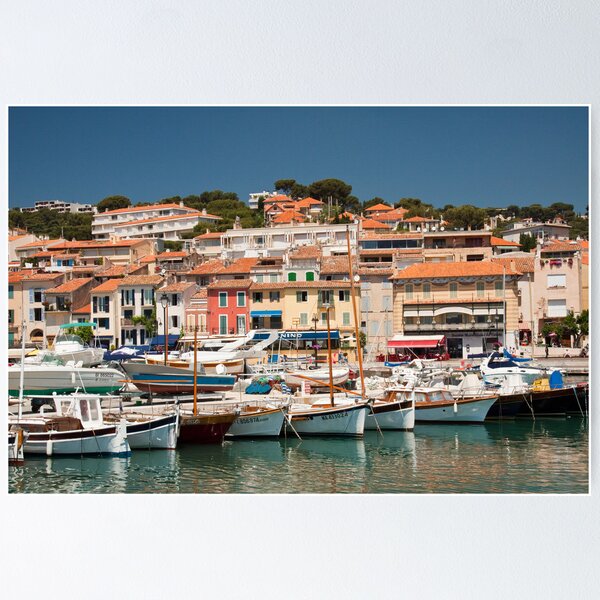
pixel 455 347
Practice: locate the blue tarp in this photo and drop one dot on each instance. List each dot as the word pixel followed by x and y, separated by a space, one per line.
pixel 556 380
pixel 159 340
pixel 515 358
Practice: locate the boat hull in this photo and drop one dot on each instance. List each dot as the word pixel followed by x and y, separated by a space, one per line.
pixel 232 367
pixel 395 416
pixel 461 411
pixel 559 402
pixel 205 429
pixel 266 423
pixel 346 420
pixel 159 432
pixel 506 407
pixel 297 378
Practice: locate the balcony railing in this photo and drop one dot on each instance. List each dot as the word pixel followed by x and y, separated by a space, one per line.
pixel 58 308
pixel 451 326
pixel 321 303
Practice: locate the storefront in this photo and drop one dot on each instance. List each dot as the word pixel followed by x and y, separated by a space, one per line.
pixel 402 348
pixel 308 340
pixel 266 319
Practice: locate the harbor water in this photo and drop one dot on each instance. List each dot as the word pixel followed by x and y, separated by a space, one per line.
pixel 521 456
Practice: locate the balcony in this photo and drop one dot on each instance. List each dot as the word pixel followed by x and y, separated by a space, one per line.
pixel 58 307
pixel 127 323
pixel 412 327
pixel 321 303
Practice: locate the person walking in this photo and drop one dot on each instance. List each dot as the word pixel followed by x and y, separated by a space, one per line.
pixel 546 349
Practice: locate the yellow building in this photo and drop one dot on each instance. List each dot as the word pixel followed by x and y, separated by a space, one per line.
pixel 467 302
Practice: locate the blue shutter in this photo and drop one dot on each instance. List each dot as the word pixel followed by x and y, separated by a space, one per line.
pixel 31 314
pixel 31 296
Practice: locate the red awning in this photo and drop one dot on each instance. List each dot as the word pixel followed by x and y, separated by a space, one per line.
pixel 417 342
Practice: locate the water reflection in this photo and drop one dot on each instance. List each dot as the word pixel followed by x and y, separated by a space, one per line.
pixel 522 456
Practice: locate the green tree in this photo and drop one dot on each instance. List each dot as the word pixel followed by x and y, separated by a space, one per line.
pixel 583 322
pixel 284 185
pixel 149 323
pixel 85 333
pixel 336 189
pixel 113 203
pixel 373 202
pixel 298 191
pixel 172 245
pixel 465 217
pixel 527 241
pixel 172 200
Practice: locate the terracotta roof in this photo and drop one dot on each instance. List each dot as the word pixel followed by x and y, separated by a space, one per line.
pixel 42 276
pixel 83 310
pixel 141 280
pixel 15 277
pixel 38 244
pixel 496 241
pixel 288 216
pixel 14 238
pixel 70 286
pixel 96 244
pixel 390 215
pixel 278 198
pixel 308 202
pixel 322 284
pixel 167 255
pixel 144 208
pixel 420 219
pixel 224 284
pixel 334 265
pixel 195 215
pixel 348 214
pixel 378 251
pixel 110 285
pixel 210 235
pixel 201 294
pixel 305 252
pixel 182 286
pixel 241 266
pixel 522 264
pixel 149 258
pixel 47 254
pixel 379 207
pixel 561 247
pixel 373 224
pixel 375 270
pixel 210 267
pixel 115 271
pixel 427 270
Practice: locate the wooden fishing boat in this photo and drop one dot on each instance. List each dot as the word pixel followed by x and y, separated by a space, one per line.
pixel 567 400
pixel 205 427
pixel 436 404
pixel 148 431
pixel 320 419
pixel 316 377
pixel 77 427
pixel 391 413
pixel 233 366
pixel 258 421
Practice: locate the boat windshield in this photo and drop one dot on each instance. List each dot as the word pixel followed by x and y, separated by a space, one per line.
pixel 69 338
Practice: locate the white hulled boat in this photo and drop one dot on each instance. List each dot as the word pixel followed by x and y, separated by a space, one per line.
pixel 347 419
pixel 316 377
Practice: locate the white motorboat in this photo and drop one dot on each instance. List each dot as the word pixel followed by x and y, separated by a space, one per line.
pixel 76 427
pixel 346 419
pixel 209 361
pixel 496 367
pixel 70 347
pixel 316 377
pixel 147 431
pixel 435 404
pixel 47 377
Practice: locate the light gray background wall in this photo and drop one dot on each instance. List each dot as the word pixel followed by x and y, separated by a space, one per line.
pixel 323 52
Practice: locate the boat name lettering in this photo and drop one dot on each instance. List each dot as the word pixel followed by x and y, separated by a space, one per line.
pixel 252 419
pixel 336 415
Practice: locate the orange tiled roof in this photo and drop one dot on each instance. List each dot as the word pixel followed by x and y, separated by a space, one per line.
pixel 86 309
pixel 70 286
pixel 240 266
pixel 308 202
pixel 97 244
pixel 167 255
pixel 305 252
pixel 496 241
pixel 182 286
pixel 42 276
pixel 117 211
pixel 149 258
pixel 375 270
pixel 39 243
pixel 420 219
pixel 391 215
pixel 210 235
pixel 561 247
pixel 278 198
pixel 523 264
pixel 426 270
pixel 334 265
pixel 288 216
pixel 584 244
pixel 141 280
pixel 210 267
pixel 230 284
pixel 367 223
pixel 200 294
pixel 14 238
pixel 379 207
pixel 110 285
pixel 322 284
pixel 15 277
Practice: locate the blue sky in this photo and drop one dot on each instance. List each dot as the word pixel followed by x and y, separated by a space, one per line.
pixel 486 156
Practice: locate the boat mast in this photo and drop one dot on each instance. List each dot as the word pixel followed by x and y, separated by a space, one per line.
pixel 22 374
pixel 195 370
pixel 504 306
pixel 355 311
pixel 329 358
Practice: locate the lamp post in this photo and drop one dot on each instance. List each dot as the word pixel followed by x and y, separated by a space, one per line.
pixel 315 320
pixel 164 300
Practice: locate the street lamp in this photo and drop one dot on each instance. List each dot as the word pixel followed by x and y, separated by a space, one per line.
pixel 315 320
pixel 164 300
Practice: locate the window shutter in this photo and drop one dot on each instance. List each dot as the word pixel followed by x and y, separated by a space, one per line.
pixel 31 314
pixel 31 297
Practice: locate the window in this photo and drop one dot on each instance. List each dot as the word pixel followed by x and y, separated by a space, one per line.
pixel 128 314
pixel 453 318
pixel 346 318
pixel 324 319
pixel 148 296
pixel 453 290
pixel 426 320
pixel 37 314
pixel 11 316
pixel 303 318
pixel 344 295
pixel 326 297
pixel 387 303
pixel 147 313
pixel 241 298
pixel 480 289
pixel 127 297
pixel 557 308
pixel 174 321
pixel 38 295
pixel 310 276
pixel 302 296
pixel 174 299
pixel 260 278
pixel 498 288
pixel 223 325
pixel 274 296
pixel 274 278
pixel 292 276
pixel 557 281
pixel 426 290
pixel 222 299
pixel 11 292
pixel 257 297
pixel 408 291
pixel 102 323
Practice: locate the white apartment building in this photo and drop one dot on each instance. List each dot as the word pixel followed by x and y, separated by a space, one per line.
pixel 33 296
pixel 276 241
pixel 167 221
pixel 105 312
pixel 556 230
pixel 179 296
pixel 60 206
pixel 254 198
